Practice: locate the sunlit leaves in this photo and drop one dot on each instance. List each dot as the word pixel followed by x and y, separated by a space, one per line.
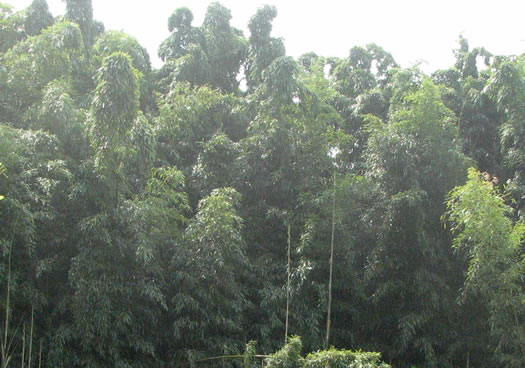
pixel 215 231
pixel 28 22
pixel 116 97
pixel 212 275
pixel 424 124
pixel 187 117
pixel 350 359
pixel 114 41
pixel 280 83
pixel 180 19
pixel 114 109
pixel 8 29
pixel 492 243
pixel 152 227
pixel 415 160
pixel 505 85
pixel 37 61
pixel 160 218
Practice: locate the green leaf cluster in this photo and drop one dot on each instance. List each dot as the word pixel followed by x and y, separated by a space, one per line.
pixel 156 216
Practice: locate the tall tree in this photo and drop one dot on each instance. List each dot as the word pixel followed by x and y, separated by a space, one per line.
pixel 183 35
pixel 37 17
pixel 114 110
pixel 81 13
pixel 506 87
pixel 209 300
pixel 264 48
pixel 479 120
pixel 414 160
pixel 493 245
pixel 211 54
pixel 225 48
pixel 33 63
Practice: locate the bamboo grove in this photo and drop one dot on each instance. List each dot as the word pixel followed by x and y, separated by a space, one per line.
pixel 151 217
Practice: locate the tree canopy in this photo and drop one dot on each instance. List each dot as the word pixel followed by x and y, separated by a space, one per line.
pixel 153 217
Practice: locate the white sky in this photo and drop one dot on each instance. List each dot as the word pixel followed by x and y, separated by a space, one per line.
pixel 412 30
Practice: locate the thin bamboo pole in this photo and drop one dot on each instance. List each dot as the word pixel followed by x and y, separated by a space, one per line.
pixel 288 284
pixel 31 337
pixel 23 345
pixel 5 346
pixel 40 356
pixel 329 311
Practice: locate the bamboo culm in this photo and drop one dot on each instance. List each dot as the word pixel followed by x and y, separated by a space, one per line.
pixel 288 285
pixel 328 314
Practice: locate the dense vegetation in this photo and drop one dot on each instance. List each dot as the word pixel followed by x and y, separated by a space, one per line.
pixel 151 216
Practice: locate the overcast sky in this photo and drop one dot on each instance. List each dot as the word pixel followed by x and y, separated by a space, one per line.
pixel 412 30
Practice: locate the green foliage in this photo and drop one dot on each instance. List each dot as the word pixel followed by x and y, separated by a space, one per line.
pixel 147 213
pixel 183 36
pixel 279 83
pixel 466 60
pixel 116 97
pixel 37 17
pixel 33 63
pixel 209 272
pixel 415 161
pixel 28 22
pixel 420 137
pixel 506 88
pixel 250 351
pixel 114 109
pixel 8 31
pixel 264 49
pixel 492 243
pixel 225 48
pixel 114 41
pixel 290 357
pixel 333 358
pixel 217 164
pixel 58 114
pixel 188 118
pixel 468 94
pixel 161 212
pixel 37 187
pixel 81 13
pixel 211 54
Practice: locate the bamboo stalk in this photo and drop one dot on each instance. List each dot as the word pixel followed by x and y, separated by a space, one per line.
pixel 235 356
pixel 23 345
pixel 328 317
pixel 31 336
pixel 288 284
pixel 5 356
pixel 40 356
pixel 6 326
